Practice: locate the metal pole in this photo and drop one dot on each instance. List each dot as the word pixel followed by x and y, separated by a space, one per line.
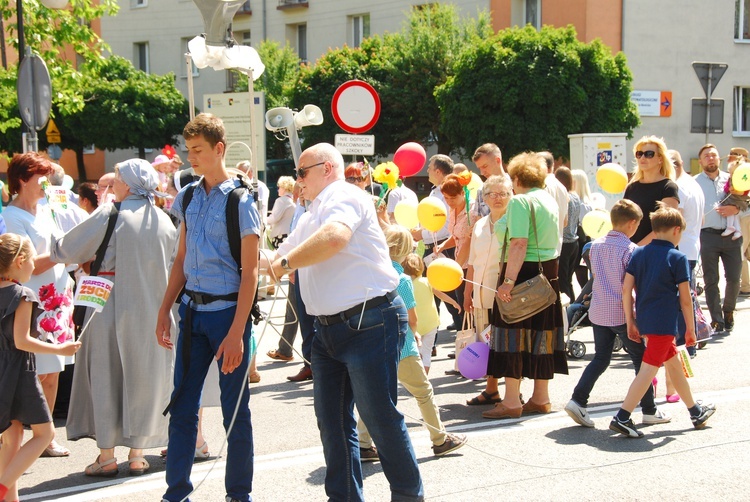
pixel 21 54
pixel 191 98
pixel 253 139
pixel 294 143
pixel 708 100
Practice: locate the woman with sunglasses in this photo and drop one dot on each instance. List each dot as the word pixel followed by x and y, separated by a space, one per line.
pixel 653 181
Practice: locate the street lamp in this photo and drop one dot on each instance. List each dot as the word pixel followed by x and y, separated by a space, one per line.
pixel 216 48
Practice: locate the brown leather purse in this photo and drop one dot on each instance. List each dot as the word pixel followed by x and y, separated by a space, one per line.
pixel 528 297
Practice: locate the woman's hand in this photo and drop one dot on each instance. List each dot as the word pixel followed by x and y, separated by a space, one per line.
pixel 503 292
pixel 633 333
pixel 68 348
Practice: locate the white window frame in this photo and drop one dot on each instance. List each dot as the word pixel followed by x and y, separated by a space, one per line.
pixel 137 56
pixel 740 115
pixel 359 22
pixel 184 49
pixel 536 23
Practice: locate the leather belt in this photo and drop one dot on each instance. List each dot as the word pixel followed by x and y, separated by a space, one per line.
pixel 330 320
pixel 205 298
pixel 429 247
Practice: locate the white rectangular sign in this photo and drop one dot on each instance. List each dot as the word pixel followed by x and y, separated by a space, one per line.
pixel 234 110
pixel 648 102
pixel 355 144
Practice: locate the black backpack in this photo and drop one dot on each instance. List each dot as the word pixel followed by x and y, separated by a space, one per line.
pixel 233 230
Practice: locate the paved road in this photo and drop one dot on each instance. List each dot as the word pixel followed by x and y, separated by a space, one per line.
pixel 542 458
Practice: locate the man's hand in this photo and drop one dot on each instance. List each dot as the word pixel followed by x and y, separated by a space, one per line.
pixel 164 329
pixel 231 349
pixel 725 211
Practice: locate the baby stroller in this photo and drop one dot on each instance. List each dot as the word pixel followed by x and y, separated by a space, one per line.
pixel 578 315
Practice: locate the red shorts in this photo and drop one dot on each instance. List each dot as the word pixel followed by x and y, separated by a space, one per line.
pixel 659 349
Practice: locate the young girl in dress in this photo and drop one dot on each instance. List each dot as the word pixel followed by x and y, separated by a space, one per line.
pixel 21 397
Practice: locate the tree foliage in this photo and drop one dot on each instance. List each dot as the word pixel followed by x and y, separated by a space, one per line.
pixel 404 68
pixel 527 90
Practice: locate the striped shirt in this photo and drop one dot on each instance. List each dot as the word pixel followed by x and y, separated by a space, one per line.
pixel 610 256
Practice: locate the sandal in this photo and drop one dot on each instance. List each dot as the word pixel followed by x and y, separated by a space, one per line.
pixel 97 469
pixel 254 377
pixel 201 452
pixel 142 470
pixel 54 449
pixel 487 399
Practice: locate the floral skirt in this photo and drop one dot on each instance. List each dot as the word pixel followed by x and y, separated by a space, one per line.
pixel 535 347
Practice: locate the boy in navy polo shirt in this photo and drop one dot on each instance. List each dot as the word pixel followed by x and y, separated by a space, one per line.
pixel 660 275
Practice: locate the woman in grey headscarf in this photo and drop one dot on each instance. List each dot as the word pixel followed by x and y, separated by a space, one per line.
pixel 122 382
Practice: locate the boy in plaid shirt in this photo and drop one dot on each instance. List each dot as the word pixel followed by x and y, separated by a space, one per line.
pixel 610 256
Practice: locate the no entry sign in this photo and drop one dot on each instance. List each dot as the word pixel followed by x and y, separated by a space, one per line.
pixel 355 106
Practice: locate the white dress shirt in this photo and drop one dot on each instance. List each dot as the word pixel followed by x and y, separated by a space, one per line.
pixel 692 202
pixel 359 272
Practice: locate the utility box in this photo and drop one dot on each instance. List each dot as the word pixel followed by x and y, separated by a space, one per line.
pixel 589 151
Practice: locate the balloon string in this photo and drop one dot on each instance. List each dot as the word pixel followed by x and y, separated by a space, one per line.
pixel 480 285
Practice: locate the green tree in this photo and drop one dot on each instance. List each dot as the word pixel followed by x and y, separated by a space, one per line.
pixel 277 81
pixel 527 90
pixel 123 108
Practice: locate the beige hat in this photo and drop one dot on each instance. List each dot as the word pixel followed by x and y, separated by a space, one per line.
pixel 737 152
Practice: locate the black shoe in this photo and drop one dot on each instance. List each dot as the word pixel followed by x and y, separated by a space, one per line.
pixel 717 328
pixel 626 428
pixel 368 454
pixel 434 351
pixel 451 355
pixel 744 293
pixel 452 327
pixel 706 411
pixel 453 372
pixel 729 321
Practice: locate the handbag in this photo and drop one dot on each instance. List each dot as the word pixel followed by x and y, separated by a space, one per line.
pixel 703 329
pixel 465 336
pixel 528 297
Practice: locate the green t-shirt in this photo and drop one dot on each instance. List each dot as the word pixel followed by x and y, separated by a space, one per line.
pixel 518 224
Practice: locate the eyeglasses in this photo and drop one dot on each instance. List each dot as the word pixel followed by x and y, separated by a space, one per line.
pixel 354 179
pixel 496 195
pixel 103 187
pixel 649 154
pixel 302 171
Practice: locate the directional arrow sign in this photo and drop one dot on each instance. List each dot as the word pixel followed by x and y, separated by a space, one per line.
pixel 709 75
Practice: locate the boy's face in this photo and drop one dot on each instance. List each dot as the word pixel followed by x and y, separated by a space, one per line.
pixel 202 156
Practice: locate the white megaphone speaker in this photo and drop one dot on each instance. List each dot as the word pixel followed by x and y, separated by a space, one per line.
pixel 279 118
pixel 310 115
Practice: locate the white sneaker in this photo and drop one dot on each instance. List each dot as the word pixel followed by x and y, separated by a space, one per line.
pixel 657 418
pixel 579 414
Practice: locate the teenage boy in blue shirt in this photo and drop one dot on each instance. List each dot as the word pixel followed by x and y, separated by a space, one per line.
pixel 660 275
pixel 214 313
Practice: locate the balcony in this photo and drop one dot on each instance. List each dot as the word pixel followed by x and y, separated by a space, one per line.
pixel 244 10
pixel 292 4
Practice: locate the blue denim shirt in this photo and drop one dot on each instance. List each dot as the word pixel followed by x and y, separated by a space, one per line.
pixel 209 266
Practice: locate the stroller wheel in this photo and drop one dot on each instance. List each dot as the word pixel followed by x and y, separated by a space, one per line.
pixel 618 344
pixel 576 349
pixel 698 289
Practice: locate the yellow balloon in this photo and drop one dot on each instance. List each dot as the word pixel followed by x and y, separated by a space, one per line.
pixel 405 213
pixel 596 223
pixel 432 213
pixel 474 185
pixel 444 274
pixel 612 178
pixel 741 178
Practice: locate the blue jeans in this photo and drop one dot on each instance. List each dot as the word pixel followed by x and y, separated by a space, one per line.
pixel 208 331
pixel 604 341
pixel 361 365
pixel 306 322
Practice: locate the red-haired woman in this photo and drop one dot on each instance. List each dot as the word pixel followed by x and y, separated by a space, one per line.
pixel 51 283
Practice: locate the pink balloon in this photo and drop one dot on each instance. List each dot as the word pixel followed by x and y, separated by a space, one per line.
pixel 473 359
pixel 410 158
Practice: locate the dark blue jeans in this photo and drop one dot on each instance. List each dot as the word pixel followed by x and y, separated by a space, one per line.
pixel 306 323
pixel 604 341
pixel 355 362
pixel 208 331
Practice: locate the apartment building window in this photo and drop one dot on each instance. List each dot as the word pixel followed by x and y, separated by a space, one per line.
pixel 183 65
pixel 140 57
pixel 242 37
pixel 302 42
pixel 137 4
pixel 360 29
pixel 532 13
pixel 741 111
pixel 742 20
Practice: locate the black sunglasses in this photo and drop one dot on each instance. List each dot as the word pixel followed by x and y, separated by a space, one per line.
pixel 354 179
pixel 302 171
pixel 649 154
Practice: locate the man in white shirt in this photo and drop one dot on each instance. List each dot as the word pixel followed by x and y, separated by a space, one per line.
pixel 489 160
pixel 559 193
pixel 397 195
pixel 692 202
pixel 348 283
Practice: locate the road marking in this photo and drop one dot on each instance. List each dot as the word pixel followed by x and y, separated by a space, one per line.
pixel 281 460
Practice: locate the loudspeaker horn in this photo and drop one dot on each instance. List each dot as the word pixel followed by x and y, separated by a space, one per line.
pixel 279 118
pixel 310 115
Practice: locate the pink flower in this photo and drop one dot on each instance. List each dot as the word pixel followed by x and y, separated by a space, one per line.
pixel 54 302
pixel 49 324
pixel 46 291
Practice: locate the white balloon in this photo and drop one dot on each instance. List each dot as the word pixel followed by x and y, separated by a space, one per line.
pixel 67 182
pixel 598 201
